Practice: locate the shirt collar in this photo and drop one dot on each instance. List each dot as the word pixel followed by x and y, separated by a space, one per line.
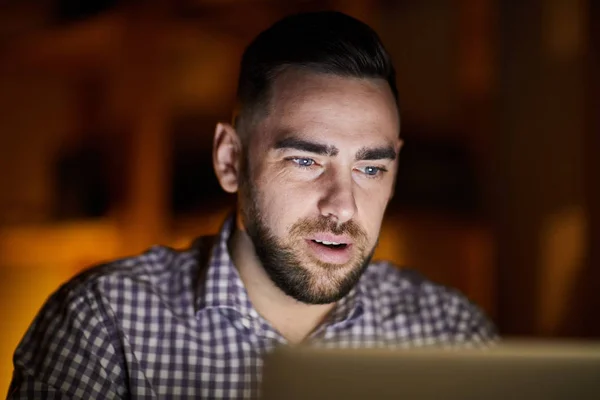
pixel 223 287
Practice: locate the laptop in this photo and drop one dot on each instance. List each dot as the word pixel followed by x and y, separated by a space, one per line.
pixel 515 371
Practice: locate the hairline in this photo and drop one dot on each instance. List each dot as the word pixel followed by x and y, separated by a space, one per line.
pixel 246 116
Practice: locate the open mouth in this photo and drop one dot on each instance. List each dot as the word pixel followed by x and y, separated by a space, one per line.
pixel 331 245
pixel 330 252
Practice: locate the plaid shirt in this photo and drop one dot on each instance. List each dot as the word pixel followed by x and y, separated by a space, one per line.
pixel 179 324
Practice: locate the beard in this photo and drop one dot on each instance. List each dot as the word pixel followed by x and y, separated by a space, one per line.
pixel 312 281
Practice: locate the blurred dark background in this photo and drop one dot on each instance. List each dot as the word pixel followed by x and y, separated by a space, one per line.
pixel 107 111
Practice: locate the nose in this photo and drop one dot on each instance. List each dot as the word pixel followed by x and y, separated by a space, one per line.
pixel 337 201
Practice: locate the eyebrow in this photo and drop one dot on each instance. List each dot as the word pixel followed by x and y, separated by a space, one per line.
pixel 376 153
pixel 308 146
pixel 365 153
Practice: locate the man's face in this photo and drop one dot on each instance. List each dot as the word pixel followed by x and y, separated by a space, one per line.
pixel 318 175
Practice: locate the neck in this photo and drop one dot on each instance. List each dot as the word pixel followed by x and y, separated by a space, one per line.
pixel 294 320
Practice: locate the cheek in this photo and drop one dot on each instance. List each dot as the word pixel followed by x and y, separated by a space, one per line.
pixel 283 203
pixel 371 208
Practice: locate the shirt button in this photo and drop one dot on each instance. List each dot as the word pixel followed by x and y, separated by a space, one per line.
pixel 246 323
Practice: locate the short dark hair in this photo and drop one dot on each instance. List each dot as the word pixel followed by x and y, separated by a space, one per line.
pixel 325 42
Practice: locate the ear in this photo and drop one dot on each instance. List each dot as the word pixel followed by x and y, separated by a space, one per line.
pixel 227 153
pixel 398 146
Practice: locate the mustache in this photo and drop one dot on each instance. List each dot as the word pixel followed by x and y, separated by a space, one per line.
pixel 309 226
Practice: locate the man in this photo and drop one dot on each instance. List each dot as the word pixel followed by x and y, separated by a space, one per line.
pixel 313 155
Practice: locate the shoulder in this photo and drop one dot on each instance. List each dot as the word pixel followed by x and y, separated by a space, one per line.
pixel 108 291
pixel 154 270
pixel 83 320
pixel 408 295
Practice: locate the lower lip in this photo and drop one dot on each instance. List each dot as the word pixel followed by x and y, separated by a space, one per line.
pixel 329 255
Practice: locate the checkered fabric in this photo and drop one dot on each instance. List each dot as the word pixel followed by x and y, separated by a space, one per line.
pixel 179 324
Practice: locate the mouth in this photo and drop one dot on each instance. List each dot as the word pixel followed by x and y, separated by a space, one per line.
pixel 331 245
pixel 329 251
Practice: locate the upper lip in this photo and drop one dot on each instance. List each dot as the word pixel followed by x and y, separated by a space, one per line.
pixel 331 238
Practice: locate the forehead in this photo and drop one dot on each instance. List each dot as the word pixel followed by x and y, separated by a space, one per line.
pixel 330 108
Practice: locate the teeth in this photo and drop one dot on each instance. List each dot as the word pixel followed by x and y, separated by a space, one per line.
pixel 327 243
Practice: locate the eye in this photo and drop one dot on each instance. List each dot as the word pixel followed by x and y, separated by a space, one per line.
pixel 372 171
pixel 303 162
